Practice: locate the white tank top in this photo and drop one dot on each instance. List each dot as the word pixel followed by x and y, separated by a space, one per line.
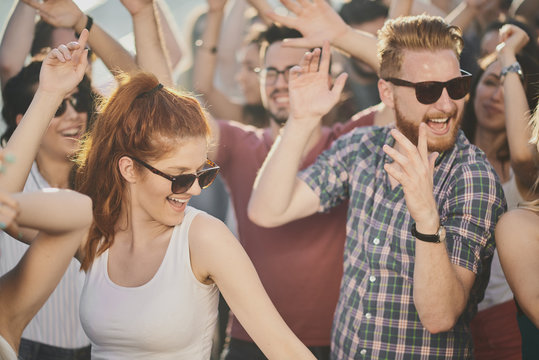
pixel 6 352
pixel 172 316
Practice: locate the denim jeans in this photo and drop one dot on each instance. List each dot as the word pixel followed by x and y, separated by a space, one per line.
pixel 31 350
pixel 246 350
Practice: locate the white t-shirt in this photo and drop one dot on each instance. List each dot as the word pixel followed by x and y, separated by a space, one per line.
pixel 172 316
pixel 57 323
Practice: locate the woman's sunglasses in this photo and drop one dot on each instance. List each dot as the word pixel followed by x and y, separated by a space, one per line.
pixel 182 183
pixel 81 103
pixel 428 92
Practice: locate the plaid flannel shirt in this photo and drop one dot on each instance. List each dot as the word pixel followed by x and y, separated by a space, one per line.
pixel 376 317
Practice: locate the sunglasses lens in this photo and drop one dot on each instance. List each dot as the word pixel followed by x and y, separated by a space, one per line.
pixel 61 109
pixel 183 183
pixel 206 178
pixel 428 92
pixel 82 102
pixel 459 87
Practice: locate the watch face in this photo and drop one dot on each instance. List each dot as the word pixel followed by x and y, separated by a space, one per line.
pixel 441 233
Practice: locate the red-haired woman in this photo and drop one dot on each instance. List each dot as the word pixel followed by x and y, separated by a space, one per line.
pixel 155 265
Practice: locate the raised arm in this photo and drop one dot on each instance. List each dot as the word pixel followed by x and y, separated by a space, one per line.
pixel 16 41
pixel 62 217
pixel 205 65
pixel 62 70
pixel 263 8
pixel 216 255
pixel 400 8
pixel 151 54
pixel 65 13
pixel 318 21
pixel 517 110
pixel 278 195
pixel 465 12
pixel 171 36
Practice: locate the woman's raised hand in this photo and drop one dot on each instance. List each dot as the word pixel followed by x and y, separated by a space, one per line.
pixel 64 66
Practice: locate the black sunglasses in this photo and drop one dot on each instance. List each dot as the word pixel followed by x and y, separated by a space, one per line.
pixel 182 183
pixel 271 74
pixel 428 92
pixel 79 101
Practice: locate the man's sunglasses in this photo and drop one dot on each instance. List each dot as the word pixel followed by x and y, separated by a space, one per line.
pixel 182 183
pixel 428 92
pixel 80 102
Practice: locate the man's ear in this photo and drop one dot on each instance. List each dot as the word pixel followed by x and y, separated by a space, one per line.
pixel 385 89
pixel 127 169
pixel 18 118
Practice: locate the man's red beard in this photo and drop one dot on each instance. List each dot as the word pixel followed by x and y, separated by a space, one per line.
pixel 410 129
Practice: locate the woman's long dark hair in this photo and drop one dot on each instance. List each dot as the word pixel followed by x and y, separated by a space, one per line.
pixel 19 92
pixel 529 63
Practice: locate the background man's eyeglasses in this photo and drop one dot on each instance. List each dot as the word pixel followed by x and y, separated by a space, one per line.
pixel 80 102
pixel 428 92
pixel 182 183
pixel 271 74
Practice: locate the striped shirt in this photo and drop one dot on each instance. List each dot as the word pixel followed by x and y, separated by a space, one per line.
pixel 375 316
pixel 57 323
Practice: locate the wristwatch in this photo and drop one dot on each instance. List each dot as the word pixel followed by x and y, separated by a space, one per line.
pixel 434 238
pixel 514 67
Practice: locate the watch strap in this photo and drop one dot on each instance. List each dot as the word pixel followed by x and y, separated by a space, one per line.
pixel 89 23
pixel 432 238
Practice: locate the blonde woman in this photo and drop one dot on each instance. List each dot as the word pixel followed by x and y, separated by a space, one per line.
pixel 517 239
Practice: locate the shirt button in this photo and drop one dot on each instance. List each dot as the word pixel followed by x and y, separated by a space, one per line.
pixel 372 278
pixel 363 352
pixel 368 315
pixel 376 241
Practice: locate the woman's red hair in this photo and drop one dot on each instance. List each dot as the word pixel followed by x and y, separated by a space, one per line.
pixel 139 120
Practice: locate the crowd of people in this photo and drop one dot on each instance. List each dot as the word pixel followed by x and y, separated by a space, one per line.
pixel 375 171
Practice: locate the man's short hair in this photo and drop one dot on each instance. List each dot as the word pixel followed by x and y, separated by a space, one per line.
pixel 274 34
pixel 357 12
pixel 421 32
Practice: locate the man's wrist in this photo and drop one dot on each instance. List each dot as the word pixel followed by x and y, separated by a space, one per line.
pixel 429 226
pixel 341 37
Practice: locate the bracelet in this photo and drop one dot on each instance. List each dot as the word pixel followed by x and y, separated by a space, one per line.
pixel 200 44
pixel 88 26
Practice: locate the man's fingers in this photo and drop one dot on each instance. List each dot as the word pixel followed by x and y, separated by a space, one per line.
pixel 432 160
pixel 305 61
pixel 292 6
pixel 295 72
pixel 315 60
pixel 403 140
pixel 65 51
pixel 56 54
pixel 422 141
pixel 73 45
pixel 304 3
pixel 83 38
pixel 283 20
pixel 338 85
pixel 399 158
pixel 394 172
pixel 298 43
pixel 326 57
pixel 81 53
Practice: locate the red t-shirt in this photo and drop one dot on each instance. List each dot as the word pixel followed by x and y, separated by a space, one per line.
pixel 300 263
